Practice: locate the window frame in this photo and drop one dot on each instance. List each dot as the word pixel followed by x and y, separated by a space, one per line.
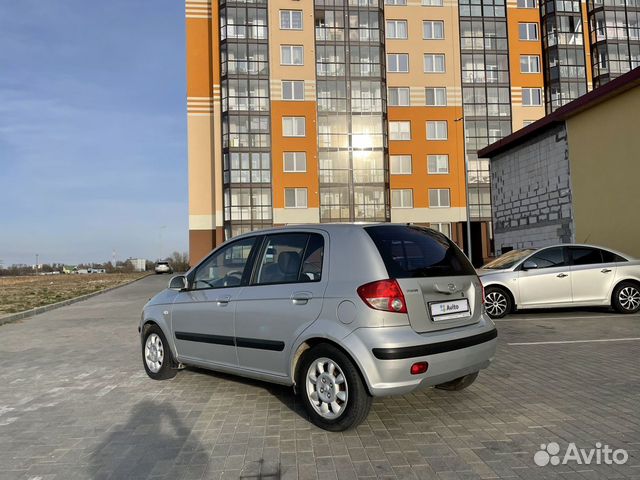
pixel 528 59
pixel 402 192
pixel 291 47
pixel 398 63
pixel 396 21
pixel 304 124
pixel 429 172
pixel 438 122
pixel 407 89
pixel 296 189
pixel 397 122
pixel 435 96
pixel 527 24
pixel 292 82
pixel 295 162
pixel 291 11
pixel 439 190
pixel 391 170
pixel 530 89
pixel 434 55
pixel 432 22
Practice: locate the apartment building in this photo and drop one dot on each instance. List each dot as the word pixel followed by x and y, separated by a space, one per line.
pixel 360 110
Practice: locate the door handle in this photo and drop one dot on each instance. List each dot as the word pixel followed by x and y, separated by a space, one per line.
pixel 605 270
pixel 562 275
pixel 224 300
pixel 301 298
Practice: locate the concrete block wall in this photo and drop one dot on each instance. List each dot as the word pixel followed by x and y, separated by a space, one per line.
pixel 531 193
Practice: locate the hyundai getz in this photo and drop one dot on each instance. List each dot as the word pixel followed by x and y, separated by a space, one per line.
pixel 341 312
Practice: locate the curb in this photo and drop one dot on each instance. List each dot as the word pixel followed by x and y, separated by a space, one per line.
pixel 13 317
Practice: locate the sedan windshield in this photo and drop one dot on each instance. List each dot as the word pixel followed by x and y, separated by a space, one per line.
pixel 509 259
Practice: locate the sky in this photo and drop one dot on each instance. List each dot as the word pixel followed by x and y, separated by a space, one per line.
pixel 93 154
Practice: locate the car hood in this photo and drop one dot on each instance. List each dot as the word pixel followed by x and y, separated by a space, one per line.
pixel 483 272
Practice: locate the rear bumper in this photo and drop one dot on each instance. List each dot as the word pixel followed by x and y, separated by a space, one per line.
pixel 386 354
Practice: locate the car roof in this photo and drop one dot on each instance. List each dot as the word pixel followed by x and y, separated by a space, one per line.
pixel 586 245
pixel 327 227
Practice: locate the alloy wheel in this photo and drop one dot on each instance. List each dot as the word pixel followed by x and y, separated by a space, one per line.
pixel 496 304
pixel 327 388
pixel 154 352
pixel 629 298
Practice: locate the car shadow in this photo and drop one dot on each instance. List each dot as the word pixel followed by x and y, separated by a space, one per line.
pixel 535 312
pixel 152 442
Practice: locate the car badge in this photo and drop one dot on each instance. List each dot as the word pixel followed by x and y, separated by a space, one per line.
pixel 452 287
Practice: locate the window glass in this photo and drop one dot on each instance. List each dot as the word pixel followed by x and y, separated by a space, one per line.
pixel 291 258
pixel 585 256
pixel 399 96
pixel 550 257
pixel 226 267
pixel 409 251
pixel 436 96
pixel 293 89
pixel 610 257
pixel 400 164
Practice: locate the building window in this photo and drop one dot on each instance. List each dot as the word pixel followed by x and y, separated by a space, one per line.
pixel 293 126
pixel 528 31
pixel 400 164
pixel 399 96
pixel 395 2
pixel 436 96
pixel 532 97
pixel 295 198
pixel 529 64
pixel 291 55
pixel 437 164
pixel 433 29
pixel 439 198
pixel 527 4
pixel 444 228
pixel 293 89
pixel 397 29
pixel 295 162
pixel 434 62
pixel 399 130
pixel 398 62
pixel 291 19
pixel 402 198
pixel 436 130
pixel 431 3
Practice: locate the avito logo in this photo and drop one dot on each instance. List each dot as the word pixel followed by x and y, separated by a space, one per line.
pixel 549 454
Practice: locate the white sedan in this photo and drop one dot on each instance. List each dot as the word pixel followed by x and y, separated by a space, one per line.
pixel 561 276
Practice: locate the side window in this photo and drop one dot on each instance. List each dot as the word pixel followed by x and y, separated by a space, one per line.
pixel 551 257
pixel 226 267
pixel 585 255
pixel 291 258
pixel 610 257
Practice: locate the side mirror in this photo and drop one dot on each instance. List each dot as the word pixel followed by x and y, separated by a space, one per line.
pixel 529 265
pixel 178 283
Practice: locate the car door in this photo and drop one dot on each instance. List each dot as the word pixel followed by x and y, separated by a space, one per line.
pixel 202 317
pixel 549 282
pixel 284 298
pixel 591 276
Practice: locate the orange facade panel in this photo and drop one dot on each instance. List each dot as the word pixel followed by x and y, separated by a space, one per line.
pixel 199 57
pixel 518 47
pixel 281 144
pixel 420 181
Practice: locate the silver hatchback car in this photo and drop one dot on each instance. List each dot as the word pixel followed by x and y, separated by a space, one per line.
pixel 341 312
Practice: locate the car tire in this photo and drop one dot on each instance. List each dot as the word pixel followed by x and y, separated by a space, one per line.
pixel 332 390
pixel 626 297
pixel 497 302
pixel 459 383
pixel 157 358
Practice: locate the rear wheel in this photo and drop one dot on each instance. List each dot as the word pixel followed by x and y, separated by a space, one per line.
pixel 459 383
pixel 497 302
pixel 156 354
pixel 626 298
pixel 332 390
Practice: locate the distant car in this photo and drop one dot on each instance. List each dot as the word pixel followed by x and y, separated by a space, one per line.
pixel 163 267
pixel 561 276
pixel 342 312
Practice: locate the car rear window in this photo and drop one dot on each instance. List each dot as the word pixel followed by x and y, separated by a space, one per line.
pixel 410 251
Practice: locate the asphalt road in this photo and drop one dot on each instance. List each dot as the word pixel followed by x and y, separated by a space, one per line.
pixel 75 403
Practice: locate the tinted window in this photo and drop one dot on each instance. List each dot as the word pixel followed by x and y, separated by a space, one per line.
pixel 585 256
pixel 551 257
pixel 226 267
pixel 418 252
pixel 610 257
pixel 290 258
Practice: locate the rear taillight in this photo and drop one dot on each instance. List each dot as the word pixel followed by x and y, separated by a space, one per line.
pixel 481 286
pixel 383 295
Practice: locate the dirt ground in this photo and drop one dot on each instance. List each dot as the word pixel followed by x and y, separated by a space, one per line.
pixel 22 293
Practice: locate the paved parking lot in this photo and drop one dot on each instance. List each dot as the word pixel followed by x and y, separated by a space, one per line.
pixel 75 403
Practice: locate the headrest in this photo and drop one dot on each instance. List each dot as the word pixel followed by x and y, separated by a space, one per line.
pixel 289 262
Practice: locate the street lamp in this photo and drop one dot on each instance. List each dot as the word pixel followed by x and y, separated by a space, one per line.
pixel 466 185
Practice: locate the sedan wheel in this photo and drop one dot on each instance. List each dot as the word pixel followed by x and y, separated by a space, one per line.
pixel 626 298
pixel 497 303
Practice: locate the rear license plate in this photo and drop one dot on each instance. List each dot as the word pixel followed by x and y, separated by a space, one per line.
pixel 449 310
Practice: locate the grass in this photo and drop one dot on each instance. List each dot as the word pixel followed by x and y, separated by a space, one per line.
pixel 23 293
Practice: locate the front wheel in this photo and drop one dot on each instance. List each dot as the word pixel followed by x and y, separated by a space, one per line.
pixel 626 298
pixel 332 390
pixel 497 302
pixel 156 354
